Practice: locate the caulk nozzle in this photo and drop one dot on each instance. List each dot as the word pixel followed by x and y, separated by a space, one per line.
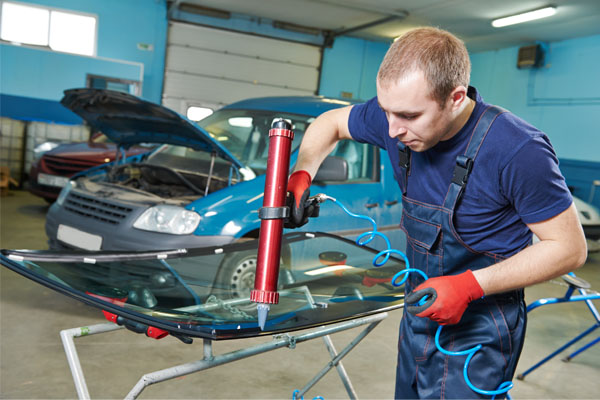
pixel 263 312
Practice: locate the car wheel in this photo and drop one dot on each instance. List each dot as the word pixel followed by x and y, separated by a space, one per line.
pixel 237 273
pixel 235 279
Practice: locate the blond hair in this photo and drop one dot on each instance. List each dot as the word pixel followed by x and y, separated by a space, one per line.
pixel 441 56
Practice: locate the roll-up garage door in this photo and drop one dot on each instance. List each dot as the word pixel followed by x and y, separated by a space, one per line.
pixel 210 67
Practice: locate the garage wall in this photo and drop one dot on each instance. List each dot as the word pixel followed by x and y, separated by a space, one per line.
pixel 350 67
pixel 43 74
pixel 33 80
pixel 213 67
pixel 562 99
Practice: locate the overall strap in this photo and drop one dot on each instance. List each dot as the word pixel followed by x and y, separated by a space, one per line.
pixel 464 162
pixel 404 164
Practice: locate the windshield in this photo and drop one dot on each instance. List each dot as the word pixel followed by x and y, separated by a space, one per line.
pixel 205 292
pixel 245 133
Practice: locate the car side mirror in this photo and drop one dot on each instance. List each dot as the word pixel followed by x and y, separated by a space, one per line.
pixel 332 169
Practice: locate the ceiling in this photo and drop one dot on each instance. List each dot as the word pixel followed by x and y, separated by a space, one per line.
pixel 468 19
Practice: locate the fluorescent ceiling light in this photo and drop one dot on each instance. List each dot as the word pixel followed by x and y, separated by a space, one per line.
pixel 524 17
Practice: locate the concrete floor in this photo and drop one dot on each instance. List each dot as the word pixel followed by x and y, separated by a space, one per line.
pixel 33 363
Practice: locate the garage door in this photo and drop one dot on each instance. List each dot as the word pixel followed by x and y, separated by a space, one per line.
pixel 210 67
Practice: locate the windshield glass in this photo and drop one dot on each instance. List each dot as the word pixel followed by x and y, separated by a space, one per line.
pixel 205 292
pixel 245 133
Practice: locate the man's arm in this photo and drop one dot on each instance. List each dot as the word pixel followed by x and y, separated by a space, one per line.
pixel 561 249
pixel 321 137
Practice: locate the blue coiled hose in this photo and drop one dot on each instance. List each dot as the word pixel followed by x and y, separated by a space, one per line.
pixel 370 235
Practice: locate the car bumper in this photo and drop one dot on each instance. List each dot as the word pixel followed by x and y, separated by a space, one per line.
pixel 47 192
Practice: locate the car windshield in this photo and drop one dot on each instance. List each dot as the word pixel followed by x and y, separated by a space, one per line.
pixel 245 133
pixel 322 279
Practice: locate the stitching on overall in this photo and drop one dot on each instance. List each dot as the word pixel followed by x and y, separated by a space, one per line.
pixel 445 376
pixel 412 241
pixel 426 345
pixel 417 378
pixel 509 336
pixel 447 193
pixel 500 338
pixel 495 256
pixel 422 221
pixel 441 257
pixel 456 236
pixel 417 202
pixel 486 132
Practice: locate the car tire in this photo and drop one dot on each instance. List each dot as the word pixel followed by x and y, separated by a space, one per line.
pixel 235 279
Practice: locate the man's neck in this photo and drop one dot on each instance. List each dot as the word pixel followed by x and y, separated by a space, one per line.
pixel 461 119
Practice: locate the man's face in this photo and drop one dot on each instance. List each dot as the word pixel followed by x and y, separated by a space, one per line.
pixel 413 116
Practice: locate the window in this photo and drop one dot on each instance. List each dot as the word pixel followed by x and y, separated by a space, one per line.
pixel 360 158
pixel 59 30
pixel 117 84
pixel 197 113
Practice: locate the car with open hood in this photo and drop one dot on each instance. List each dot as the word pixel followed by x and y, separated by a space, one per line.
pixel 54 163
pixel 204 184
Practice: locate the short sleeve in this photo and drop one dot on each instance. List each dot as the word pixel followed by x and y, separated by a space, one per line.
pixel 533 183
pixel 367 123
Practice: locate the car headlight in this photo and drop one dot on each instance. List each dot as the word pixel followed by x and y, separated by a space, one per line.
pixel 65 192
pixel 168 219
pixel 42 148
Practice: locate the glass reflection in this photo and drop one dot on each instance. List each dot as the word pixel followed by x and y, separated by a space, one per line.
pixel 205 292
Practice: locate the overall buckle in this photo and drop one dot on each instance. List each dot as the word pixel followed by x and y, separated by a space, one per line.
pixel 463 168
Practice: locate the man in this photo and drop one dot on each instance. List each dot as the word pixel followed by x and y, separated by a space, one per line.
pixel 476 182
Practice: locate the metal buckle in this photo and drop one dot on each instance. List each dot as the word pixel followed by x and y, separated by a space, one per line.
pixel 463 168
pixel 403 156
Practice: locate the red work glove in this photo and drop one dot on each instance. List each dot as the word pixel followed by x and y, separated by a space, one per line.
pixel 297 193
pixel 448 297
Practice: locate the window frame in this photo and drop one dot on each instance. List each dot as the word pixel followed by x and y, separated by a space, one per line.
pixel 50 10
pixel 136 84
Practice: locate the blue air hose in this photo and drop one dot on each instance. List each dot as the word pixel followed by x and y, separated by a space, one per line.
pixel 370 235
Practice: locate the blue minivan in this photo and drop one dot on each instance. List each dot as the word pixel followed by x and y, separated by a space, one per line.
pixel 204 184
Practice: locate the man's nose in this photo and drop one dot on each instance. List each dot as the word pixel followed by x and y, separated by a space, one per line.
pixel 396 127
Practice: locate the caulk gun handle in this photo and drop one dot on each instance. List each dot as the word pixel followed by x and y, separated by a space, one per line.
pixel 312 205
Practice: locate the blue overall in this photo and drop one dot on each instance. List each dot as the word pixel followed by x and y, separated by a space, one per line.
pixel 497 322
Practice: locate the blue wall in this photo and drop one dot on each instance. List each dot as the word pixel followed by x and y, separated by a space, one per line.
pixel 31 77
pixel 562 99
pixel 351 66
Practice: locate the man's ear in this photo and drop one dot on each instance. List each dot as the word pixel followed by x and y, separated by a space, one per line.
pixel 458 97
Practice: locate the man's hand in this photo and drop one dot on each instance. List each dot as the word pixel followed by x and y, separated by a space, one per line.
pixel 297 193
pixel 448 298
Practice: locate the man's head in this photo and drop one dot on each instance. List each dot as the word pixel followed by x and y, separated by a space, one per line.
pixel 439 55
pixel 422 86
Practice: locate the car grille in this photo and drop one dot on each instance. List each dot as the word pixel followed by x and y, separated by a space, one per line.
pixel 101 210
pixel 65 166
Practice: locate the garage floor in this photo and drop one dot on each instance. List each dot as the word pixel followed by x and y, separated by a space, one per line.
pixel 33 363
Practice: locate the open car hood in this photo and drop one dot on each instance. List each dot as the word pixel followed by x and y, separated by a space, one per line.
pixel 323 279
pixel 129 120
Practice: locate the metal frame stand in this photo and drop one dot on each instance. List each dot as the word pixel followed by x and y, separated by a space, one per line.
pixel 210 361
pixel 568 297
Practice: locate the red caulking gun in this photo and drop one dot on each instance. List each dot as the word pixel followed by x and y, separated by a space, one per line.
pixel 272 215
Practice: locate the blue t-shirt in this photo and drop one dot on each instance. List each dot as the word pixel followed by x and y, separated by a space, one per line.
pixel 515 178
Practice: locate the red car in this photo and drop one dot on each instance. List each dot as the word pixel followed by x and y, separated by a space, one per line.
pixel 55 163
